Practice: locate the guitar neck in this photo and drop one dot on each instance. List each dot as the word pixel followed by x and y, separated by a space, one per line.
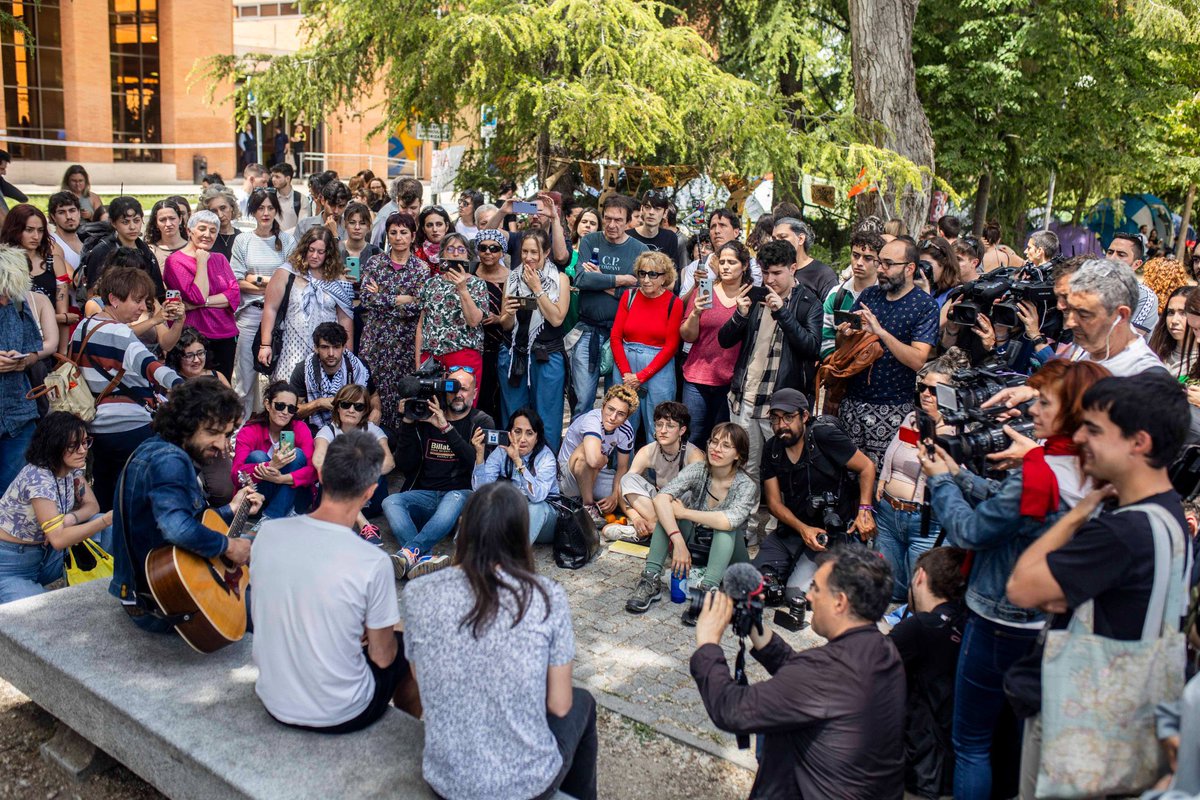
pixel 239 520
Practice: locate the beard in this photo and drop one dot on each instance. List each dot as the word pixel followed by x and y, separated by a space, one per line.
pixel 458 406
pixel 788 437
pixel 202 455
pixel 889 284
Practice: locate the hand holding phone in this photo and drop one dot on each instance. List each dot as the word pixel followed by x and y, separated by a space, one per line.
pixel 521 207
pixel 172 295
pixel 847 318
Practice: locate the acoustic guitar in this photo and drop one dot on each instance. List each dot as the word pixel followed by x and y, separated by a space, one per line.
pixel 210 593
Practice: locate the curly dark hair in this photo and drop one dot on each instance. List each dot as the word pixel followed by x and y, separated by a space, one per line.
pixel 55 434
pixel 194 403
pixel 188 337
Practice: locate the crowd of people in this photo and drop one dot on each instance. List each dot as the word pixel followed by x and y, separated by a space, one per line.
pixel 981 438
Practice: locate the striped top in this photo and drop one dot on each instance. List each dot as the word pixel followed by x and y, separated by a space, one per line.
pixel 112 347
pixel 254 256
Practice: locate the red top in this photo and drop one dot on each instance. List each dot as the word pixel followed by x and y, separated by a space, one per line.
pixel 648 323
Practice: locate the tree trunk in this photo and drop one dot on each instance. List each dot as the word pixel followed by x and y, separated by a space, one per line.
pixel 982 193
pixel 885 97
pixel 1181 239
pixel 542 157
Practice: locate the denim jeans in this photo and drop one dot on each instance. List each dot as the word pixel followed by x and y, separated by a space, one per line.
pixel 280 500
pixel 709 407
pixel 585 376
pixel 421 518
pixel 12 453
pixel 26 568
pixel 658 389
pixel 900 543
pixel 988 650
pixel 542 519
pixel 544 392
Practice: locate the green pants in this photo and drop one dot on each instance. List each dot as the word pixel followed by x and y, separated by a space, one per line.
pixel 728 547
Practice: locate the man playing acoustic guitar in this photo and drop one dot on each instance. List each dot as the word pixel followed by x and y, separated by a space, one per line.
pixel 159 499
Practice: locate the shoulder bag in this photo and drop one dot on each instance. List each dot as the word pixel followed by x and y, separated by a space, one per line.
pixel 276 332
pixel 66 388
pixel 857 352
pixel 576 541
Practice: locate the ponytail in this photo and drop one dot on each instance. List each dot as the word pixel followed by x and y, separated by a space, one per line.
pixel 275 229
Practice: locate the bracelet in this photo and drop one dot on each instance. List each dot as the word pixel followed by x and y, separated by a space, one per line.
pixel 673 534
pixel 261 346
pixel 865 507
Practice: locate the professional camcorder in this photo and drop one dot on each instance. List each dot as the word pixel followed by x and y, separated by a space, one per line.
pixel 998 294
pixel 979 432
pixel 427 383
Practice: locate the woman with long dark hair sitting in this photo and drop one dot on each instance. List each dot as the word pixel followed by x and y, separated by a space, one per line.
pixel 529 463
pixel 491 622
pixel 275 449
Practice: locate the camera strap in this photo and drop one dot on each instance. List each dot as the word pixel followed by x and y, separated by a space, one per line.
pixel 739 677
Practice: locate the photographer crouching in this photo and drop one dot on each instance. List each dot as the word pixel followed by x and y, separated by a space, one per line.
pixel 832 717
pixel 997 520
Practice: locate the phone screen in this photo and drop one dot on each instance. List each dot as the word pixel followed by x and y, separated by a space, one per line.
pixel 847 316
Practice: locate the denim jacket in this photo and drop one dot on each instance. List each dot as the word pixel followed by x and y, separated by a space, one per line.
pixel 164 502
pixel 984 516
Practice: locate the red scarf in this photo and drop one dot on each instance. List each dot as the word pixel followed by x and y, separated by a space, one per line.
pixel 1039 486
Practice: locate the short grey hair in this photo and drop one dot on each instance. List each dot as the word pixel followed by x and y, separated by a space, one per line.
pixel 1112 281
pixel 800 228
pixel 204 216
pixel 221 190
pixel 352 463
pixel 1047 242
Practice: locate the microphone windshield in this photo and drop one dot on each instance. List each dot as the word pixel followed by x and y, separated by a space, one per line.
pixel 741 581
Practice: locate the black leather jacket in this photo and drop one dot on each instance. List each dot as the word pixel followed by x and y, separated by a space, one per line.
pixel 800 320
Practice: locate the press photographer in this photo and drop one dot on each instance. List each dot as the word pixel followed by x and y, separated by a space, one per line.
pixel 997 520
pixel 436 456
pixel 808 487
pixel 832 717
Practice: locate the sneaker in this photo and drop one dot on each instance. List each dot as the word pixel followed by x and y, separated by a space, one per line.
pixel 648 590
pixel 617 532
pixel 427 564
pixel 370 534
pixel 403 560
pixel 596 514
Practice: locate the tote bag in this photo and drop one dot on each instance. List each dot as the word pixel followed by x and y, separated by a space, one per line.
pixel 1099 694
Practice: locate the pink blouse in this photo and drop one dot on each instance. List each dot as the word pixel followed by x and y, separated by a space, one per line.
pixel 180 273
pixel 709 364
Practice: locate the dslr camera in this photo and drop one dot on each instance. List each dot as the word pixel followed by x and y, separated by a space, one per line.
pixel 978 431
pixel 826 504
pixel 424 385
pixel 744 585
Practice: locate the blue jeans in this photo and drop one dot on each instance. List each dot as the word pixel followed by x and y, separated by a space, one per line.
pixel 12 453
pixel 544 392
pixel 900 543
pixel 25 569
pixel 658 389
pixel 585 376
pixel 709 407
pixel 542 519
pixel 280 500
pixel 421 518
pixel 988 650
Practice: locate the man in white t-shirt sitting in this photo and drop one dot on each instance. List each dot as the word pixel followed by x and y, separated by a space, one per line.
pixel 584 456
pixel 319 592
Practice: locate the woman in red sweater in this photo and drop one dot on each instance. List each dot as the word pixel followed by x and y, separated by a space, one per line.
pixel 645 336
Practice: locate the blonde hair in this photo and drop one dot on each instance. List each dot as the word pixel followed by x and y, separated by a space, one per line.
pixel 15 280
pixel 654 261
pixel 626 395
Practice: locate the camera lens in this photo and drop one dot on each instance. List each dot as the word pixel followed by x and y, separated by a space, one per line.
pixel 823 539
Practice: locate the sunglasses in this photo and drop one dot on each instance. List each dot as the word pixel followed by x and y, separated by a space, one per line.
pixel 490 248
pixel 468 370
pixel 925 388
pixel 346 405
pixel 288 407
pixel 641 273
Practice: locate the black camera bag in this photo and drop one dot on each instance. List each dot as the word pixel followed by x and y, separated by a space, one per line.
pixel 576 540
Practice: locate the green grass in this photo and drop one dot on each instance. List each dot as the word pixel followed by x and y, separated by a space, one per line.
pixel 642 731
pixel 147 200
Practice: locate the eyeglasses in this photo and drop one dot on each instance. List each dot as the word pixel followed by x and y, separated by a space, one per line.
pixel 464 201
pixel 288 407
pixel 887 262
pixel 641 273
pixel 457 249
pixel 925 388
pixel 490 248
pixel 83 445
pixel 198 356
pixel 788 417
pixel 346 405
pixel 468 370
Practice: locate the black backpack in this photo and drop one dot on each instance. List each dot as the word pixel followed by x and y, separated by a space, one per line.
pixel 576 540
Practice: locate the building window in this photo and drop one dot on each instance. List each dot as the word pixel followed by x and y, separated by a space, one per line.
pixel 33 79
pixel 137 109
pixel 253 10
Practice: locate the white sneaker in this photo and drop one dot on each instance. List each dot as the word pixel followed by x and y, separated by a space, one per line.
pixel 426 565
pixel 618 532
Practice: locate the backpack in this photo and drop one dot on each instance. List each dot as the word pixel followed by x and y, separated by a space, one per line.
pixel 65 387
pixel 857 353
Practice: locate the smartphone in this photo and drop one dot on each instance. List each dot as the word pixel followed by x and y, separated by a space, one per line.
pixel 495 438
pixel 520 207
pixel 288 438
pixel 172 294
pixel 848 316
pixel 758 294
pixel 352 266
pixel 704 285
pixel 527 303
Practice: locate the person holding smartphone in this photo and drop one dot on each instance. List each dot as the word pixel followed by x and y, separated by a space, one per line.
pixel 865 245
pixel 450 326
pixel 355 250
pixel 275 449
pixel 528 462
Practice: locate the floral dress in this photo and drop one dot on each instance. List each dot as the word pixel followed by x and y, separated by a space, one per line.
pixel 445 327
pixel 390 332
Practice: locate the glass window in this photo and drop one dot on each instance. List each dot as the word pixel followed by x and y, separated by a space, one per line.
pixel 33 78
pixel 133 43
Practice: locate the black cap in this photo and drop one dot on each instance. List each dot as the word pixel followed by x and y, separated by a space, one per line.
pixel 788 401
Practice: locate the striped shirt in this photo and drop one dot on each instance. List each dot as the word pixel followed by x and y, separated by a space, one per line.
pixel 254 256
pixel 113 347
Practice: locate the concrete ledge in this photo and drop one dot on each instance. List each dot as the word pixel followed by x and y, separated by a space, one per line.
pixel 190 725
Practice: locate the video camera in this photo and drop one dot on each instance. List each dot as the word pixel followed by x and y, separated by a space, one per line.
pixel 744 585
pixel 978 431
pixel 424 385
pixel 998 294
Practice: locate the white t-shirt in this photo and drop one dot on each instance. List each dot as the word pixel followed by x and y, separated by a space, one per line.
pixel 1136 358
pixel 70 255
pixel 592 424
pixel 328 432
pixel 316 586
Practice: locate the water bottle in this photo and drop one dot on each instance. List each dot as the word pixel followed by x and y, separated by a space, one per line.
pixel 678 589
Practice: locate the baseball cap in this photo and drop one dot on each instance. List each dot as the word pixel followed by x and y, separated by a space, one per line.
pixel 788 401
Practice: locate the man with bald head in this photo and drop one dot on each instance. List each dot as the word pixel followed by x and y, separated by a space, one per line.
pixel 436 456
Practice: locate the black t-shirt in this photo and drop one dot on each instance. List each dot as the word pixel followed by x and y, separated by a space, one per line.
pixel 825 473
pixel 1111 561
pixel 664 242
pixel 819 277
pixel 928 642
pixel 443 461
